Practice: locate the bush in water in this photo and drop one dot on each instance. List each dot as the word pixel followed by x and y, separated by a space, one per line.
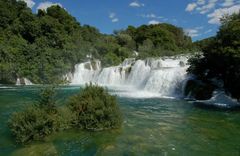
pixel 92 109
pixel 33 124
pixel 47 99
pixel 37 121
pixel 95 109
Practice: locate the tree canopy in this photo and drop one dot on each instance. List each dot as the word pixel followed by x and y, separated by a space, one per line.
pixel 44 46
pixel 221 56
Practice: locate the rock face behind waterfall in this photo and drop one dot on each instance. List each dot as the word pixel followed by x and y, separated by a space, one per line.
pixel 163 75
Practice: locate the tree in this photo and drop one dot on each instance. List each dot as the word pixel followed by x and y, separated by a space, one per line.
pixel 221 56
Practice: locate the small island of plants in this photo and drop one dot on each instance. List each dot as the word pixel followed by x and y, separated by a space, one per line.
pixel 92 109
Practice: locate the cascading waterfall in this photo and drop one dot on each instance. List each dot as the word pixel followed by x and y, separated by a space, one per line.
pixel 84 72
pixel 162 77
pixel 23 81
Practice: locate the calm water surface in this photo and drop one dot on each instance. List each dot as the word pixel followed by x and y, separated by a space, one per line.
pixel 151 127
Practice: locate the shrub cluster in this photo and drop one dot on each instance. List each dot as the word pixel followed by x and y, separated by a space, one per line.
pixel 95 109
pixel 38 120
pixel 33 124
pixel 92 109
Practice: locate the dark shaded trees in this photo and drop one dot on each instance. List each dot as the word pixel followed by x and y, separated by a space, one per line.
pixel 221 56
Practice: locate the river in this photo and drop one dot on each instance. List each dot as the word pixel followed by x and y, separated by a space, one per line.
pixel 152 126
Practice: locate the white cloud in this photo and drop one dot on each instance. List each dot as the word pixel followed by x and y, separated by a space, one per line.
pixel 191 6
pixel 192 32
pixel 148 15
pixel 151 15
pixel 45 5
pixel 136 4
pixel 115 20
pixel 153 22
pixel 201 6
pixel 214 9
pixel 208 31
pixel 228 3
pixel 206 8
pixel 30 3
pixel 214 18
pixel 113 17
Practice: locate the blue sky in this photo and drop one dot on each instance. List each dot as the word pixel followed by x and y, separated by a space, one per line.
pixel 199 18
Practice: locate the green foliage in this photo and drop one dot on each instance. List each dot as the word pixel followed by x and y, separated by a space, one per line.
pixel 38 120
pixel 221 56
pixel 92 109
pixel 159 40
pixel 32 124
pixel 125 40
pixel 111 59
pixel 40 46
pixel 47 99
pixel 202 44
pixel 95 109
pixel 44 46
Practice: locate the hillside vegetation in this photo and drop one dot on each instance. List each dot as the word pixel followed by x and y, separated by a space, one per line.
pixel 44 46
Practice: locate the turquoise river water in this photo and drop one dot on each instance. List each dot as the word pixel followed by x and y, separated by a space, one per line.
pixel 152 126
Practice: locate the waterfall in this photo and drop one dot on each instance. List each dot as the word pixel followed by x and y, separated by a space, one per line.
pixel 18 82
pixel 23 81
pixel 162 76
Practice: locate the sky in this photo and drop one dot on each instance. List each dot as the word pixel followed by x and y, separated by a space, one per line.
pixel 199 18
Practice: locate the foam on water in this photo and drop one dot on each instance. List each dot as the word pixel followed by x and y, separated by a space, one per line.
pixel 220 100
pixel 3 87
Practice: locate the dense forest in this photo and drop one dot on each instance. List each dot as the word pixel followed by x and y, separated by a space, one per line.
pixel 220 60
pixel 44 46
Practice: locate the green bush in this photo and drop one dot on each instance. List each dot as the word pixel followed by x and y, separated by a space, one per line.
pixel 47 99
pixel 95 109
pixel 33 124
pixel 39 120
pixel 92 109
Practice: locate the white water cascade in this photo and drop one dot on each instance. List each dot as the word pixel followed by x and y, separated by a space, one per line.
pixel 23 81
pixel 150 77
